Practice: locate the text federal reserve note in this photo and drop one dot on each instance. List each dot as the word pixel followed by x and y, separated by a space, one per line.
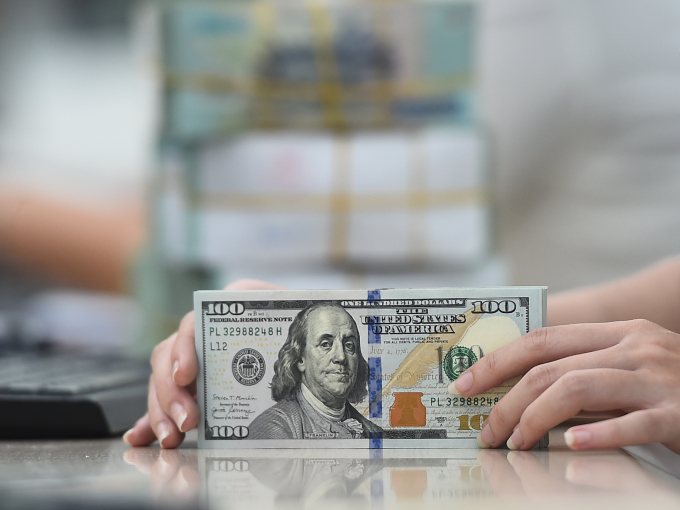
pixel 351 369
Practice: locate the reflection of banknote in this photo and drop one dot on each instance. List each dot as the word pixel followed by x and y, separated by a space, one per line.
pixel 346 369
pixel 310 479
pixel 316 64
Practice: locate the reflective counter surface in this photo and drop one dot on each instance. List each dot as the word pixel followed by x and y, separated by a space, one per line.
pixel 110 474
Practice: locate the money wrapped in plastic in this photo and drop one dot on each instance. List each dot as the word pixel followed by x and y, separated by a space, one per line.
pixel 230 66
pixel 269 199
pixel 351 369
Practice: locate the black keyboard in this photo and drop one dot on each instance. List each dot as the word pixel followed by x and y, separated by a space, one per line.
pixel 58 396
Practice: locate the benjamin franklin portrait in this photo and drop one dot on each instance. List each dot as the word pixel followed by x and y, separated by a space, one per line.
pixel 319 373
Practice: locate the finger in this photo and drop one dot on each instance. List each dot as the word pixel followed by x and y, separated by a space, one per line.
pixel 613 472
pixel 639 427
pixel 250 284
pixel 506 414
pixel 175 401
pixel 142 458
pixel 589 390
pixel 534 475
pixel 504 481
pixel 163 474
pixel 191 475
pixel 185 487
pixel 167 464
pixel 536 348
pixel 183 356
pixel 141 434
pixel 169 436
pixel 186 484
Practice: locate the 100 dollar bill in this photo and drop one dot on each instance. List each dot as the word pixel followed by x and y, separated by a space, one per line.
pixel 351 369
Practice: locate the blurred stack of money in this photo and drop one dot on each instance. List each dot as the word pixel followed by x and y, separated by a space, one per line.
pixel 385 198
pixel 303 64
pixel 323 144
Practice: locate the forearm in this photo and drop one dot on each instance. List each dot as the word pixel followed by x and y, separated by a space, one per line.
pixel 79 246
pixel 652 294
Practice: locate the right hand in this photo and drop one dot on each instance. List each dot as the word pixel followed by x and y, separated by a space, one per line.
pixel 172 407
pixel 627 369
pixel 542 475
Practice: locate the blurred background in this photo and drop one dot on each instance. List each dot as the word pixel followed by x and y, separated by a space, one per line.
pixel 149 149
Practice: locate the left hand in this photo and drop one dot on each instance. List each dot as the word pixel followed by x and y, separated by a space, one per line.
pixel 172 407
pixel 632 367
pixel 174 476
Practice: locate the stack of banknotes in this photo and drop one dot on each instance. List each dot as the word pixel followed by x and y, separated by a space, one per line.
pixel 269 199
pixel 230 66
pixel 351 369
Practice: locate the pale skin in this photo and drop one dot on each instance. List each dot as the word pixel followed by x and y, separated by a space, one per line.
pixel 614 347
pixel 85 246
pixel 602 353
pixel 172 408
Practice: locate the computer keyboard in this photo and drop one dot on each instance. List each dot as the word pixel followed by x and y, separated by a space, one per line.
pixel 59 396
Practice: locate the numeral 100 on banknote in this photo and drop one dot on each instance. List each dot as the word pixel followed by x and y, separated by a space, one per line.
pixel 351 369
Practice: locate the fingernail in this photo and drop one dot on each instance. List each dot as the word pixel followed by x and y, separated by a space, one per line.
pixel 126 436
pixel 453 390
pixel 570 472
pixel 175 368
pixel 464 383
pixel 163 431
pixel 576 438
pixel 516 440
pixel 179 414
pixel 485 439
pixel 164 467
pixel 182 486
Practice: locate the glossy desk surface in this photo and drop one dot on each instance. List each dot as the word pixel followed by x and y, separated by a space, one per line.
pixel 110 474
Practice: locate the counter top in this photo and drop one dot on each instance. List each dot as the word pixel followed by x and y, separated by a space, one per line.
pixel 109 474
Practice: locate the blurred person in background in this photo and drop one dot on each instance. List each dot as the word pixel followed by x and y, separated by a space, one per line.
pixel 72 143
pixel 583 99
pixel 76 130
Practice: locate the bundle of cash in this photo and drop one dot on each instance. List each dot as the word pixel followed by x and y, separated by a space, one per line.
pixel 269 199
pixel 230 66
pixel 351 369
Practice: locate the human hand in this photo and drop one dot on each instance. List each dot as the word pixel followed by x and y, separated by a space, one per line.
pixel 173 475
pixel 632 367
pixel 542 475
pixel 513 476
pixel 172 408
pixel 176 481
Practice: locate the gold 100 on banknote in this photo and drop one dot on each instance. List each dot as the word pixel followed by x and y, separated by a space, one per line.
pixel 351 369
